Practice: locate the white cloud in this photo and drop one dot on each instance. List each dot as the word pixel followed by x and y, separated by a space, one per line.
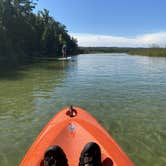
pixel 145 40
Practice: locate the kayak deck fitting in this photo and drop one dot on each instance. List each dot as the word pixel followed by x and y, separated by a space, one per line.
pixel 72 129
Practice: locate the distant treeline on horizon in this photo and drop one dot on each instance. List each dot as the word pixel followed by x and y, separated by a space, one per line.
pixel 152 51
pixel 24 34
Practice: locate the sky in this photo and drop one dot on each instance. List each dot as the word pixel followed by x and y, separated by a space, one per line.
pixel 119 23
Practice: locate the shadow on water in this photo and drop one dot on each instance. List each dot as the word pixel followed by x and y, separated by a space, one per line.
pixel 14 72
pixel 48 65
pixel 10 71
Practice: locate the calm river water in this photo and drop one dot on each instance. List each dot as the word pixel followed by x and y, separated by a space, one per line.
pixel 127 95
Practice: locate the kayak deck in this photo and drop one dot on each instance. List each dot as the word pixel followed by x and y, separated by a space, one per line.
pixel 72 134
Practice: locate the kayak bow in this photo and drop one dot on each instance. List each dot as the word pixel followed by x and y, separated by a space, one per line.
pixel 71 129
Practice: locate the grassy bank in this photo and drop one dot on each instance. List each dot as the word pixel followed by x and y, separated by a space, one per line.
pixel 156 52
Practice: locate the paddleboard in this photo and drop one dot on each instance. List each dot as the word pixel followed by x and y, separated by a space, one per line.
pixel 65 58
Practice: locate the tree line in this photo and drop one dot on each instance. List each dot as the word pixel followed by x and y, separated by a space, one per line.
pixel 24 34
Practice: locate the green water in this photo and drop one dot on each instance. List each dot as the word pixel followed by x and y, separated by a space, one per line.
pixel 127 95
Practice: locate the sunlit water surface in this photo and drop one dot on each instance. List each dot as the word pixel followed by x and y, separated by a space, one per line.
pixel 127 95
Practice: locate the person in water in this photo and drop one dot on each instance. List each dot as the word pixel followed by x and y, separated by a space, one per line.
pixel 64 51
pixel 90 156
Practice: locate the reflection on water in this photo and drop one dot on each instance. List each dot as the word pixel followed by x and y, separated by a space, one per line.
pixel 127 94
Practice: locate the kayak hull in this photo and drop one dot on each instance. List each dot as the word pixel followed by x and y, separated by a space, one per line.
pixel 72 134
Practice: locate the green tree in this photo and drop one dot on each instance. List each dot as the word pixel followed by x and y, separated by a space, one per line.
pixel 25 34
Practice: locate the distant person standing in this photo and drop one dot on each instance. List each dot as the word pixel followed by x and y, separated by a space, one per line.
pixel 64 50
pixel 63 44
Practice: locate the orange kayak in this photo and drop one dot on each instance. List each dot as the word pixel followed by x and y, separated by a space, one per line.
pixel 71 130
